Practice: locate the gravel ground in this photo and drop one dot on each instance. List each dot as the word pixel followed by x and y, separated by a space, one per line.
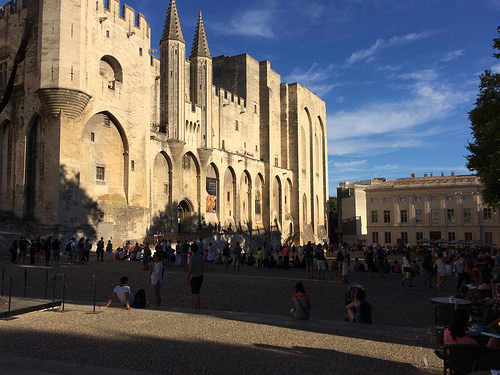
pixel 243 326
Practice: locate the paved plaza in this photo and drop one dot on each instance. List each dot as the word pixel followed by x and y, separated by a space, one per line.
pixel 243 325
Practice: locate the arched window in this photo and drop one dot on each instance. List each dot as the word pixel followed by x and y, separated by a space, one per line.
pixel 111 71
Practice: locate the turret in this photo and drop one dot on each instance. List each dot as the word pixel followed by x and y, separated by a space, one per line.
pixel 172 62
pixel 201 79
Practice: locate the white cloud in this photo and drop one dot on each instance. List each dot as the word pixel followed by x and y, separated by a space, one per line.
pixel 452 55
pixel 349 165
pixel 254 23
pixel 315 78
pixel 422 75
pixel 369 53
pixel 426 103
pixel 496 68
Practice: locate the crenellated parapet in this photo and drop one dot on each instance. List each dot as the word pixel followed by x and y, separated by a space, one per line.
pixel 123 15
pixel 13 7
pixel 229 98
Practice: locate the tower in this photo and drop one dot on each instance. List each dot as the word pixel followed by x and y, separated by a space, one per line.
pixel 172 72
pixel 201 80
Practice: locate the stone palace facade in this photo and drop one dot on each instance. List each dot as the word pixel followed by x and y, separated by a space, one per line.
pixel 104 139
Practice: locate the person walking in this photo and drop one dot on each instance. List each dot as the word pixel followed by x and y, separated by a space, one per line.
pixel 157 277
pixel 237 256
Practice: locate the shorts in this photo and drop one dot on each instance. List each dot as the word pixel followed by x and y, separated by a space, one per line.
pixel 380 264
pixel 157 284
pixel 309 262
pixel 196 284
pixel 321 264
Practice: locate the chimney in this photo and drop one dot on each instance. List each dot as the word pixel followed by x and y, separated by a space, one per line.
pixel 432 175
pixel 452 174
pixel 442 174
pixel 425 174
pixel 413 175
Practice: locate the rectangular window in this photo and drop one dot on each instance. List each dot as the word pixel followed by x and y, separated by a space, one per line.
pixel 402 199
pixel 374 216
pixel 419 218
pixel 450 215
pixel 488 238
pixel 386 200
pixel 165 189
pixel 404 216
pixel 487 213
pixel 374 237
pixel 387 237
pixel 466 197
pixel 404 237
pixel 417 199
pixel 236 125
pixel 387 216
pixel 433 198
pixel 373 200
pixel 99 173
pixel 468 236
pixel 228 196
pixel 434 216
pixel 276 161
pixel 467 216
pixel 419 236
pixel 92 137
pixel 449 197
pixel 186 160
pixel 451 236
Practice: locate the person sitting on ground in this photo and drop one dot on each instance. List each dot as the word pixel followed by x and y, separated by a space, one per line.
pixel 485 284
pixel 359 310
pixel 455 334
pixel 301 305
pixel 357 266
pixel 126 298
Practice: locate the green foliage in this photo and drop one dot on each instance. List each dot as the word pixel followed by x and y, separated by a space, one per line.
pixel 484 155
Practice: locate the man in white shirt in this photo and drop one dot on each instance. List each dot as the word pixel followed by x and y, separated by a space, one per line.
pixel 125 296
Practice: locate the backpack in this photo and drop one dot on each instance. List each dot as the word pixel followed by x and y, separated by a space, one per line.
pixel 68 247
pixel 340 256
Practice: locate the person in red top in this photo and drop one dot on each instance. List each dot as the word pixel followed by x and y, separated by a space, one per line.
pixel 301 306
pixel 286 256
pixel 455 335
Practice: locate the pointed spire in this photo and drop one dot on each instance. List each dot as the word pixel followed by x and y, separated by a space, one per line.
pixel 172 29
pixel 200 43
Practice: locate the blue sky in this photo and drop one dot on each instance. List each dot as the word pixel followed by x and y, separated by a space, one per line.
pixel 398 77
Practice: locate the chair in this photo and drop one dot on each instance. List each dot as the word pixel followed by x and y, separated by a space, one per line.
pixel 460 359
pixel 482 312
pixel 444 314
pixel 488 361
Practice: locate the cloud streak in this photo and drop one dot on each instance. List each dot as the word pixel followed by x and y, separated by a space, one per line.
pixel 369 53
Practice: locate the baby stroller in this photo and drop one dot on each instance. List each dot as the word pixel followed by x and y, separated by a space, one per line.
pixel 350 294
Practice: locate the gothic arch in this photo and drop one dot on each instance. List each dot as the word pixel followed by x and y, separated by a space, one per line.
pixel 259 185
pixel 191 174
pixel 288 196
pixel 111 71
pixel 245 197
pixel 311 164
pixel 104 155
pixel 161 187
pixel 229 195
pixel 32 166
pixel 6 165
pixel 276 201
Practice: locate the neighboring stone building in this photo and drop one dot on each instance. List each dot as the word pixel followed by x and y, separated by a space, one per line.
pixel 103 138
pixel 351 203
pixel 431 208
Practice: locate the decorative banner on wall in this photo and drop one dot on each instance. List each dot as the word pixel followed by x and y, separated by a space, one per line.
pixel 212 194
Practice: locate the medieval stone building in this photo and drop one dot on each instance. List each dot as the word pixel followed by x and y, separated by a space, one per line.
pixel 101 137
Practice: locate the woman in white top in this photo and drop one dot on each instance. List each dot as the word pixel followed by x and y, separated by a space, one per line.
pixel 407 275
pixel 211 256
pixel 157 278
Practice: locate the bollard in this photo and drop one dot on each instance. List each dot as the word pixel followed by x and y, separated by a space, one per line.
pixel 46 283
pixel 10 296
pixel 54 289
pixel 94 290
pixel 64 290
pixel 3 278
pixel 25 281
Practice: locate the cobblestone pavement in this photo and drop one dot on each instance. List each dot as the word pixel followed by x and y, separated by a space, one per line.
pixel 243 326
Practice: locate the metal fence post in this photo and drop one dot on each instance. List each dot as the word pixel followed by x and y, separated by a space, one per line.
pixel 94 281
pixel 64 290
pixel 54 288
pixel 10 296
pixel 46 283
pixel 25 281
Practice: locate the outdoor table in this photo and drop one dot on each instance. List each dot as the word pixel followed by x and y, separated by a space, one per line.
pixel 491 332
pixel 450 301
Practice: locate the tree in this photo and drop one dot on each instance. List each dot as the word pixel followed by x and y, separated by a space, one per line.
pixel 18 59
pixel 484 155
